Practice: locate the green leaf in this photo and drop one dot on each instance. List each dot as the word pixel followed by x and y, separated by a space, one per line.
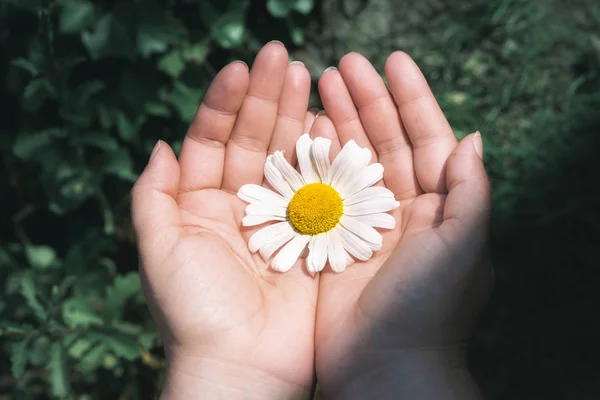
pixel 150 40
pixel 40 256
pixel 197 52
pixel 77 189
pixel 120 164
pixel 283 8
pixel 92 357
pixel 127 129
pixel 99 140
pixel 157 30
pixel 123 346
pixel 57 368
pixel 82 95
pixel 58 292
pixel 108 38
pixel 80 346
pixel 227 29
pixel 297 34
pixel 304 6
pixel 28 291
pixel 26 65
pixel 184 99
pixel 38 353
pixel 38 90
pixel 157 109
pixel 280 8
pixel 75 15
pixel 172 63
pixel 18 357
pixel 123 288
pixel 27 145
pixel 77 313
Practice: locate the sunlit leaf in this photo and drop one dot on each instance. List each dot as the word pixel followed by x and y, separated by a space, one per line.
pixel 157 109
pixel 77 313
pixel 57 368
pixel 40 256
pixel 172 63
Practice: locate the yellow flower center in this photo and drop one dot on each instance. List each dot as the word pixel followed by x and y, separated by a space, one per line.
pixel 315 208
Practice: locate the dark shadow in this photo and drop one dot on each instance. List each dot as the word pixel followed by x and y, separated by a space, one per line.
pixel 540 336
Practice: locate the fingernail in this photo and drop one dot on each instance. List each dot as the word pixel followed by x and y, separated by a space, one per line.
pixel 329 69
pixel 297 63
pixel 322 112
pixel 478 144
pixel 240 62
pixel 155 151
pixel 278 42
pixel 314 110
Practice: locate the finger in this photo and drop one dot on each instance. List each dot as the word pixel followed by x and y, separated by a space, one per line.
pixel 309 119
pixel 249 141
pixel 429 132
pixel 323 127
pixel 381 120
pixel 154 209
pixel 203 151
pixel 291 112
pixel 340 108
pixel 468 206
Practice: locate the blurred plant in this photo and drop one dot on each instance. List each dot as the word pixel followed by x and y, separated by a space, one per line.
pixel 89 87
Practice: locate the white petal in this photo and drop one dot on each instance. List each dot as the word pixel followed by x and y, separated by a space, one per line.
pixel 319 152
pixel 257 194
pixel 287 257
pixel 379 220
pixel 365 178
pixel 349 259
pixel 335 252
pixel 361 230
pixel 347 163
pixel 291 176
pixel 276 179
pixel 354 245
pixel 303 146
pixel 266 234
pixel 317 257
pixel 373 206
pixel 368 193
pixel 252 220
pixel 274 244
pixel 266 209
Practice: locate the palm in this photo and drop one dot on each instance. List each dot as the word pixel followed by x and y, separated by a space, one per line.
pixel 226 295
pixel 207 291
pixel 403 297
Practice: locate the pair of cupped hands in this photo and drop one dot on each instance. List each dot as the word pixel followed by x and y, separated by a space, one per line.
pixel 395 325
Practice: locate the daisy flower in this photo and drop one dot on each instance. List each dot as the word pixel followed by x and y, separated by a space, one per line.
pixel 333 208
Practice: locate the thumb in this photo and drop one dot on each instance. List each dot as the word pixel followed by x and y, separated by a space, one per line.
pixel 154 209
pixel 468 206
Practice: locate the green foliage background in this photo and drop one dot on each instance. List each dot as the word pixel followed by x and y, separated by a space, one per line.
pixel 88 87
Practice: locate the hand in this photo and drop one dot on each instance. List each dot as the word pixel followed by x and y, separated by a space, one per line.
pixel 231 326
pixel 396 325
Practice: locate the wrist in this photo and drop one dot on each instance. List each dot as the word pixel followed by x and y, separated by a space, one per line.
pixel 193 377
pixel 412 374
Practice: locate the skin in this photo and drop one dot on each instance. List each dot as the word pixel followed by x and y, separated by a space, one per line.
pixel 395 325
